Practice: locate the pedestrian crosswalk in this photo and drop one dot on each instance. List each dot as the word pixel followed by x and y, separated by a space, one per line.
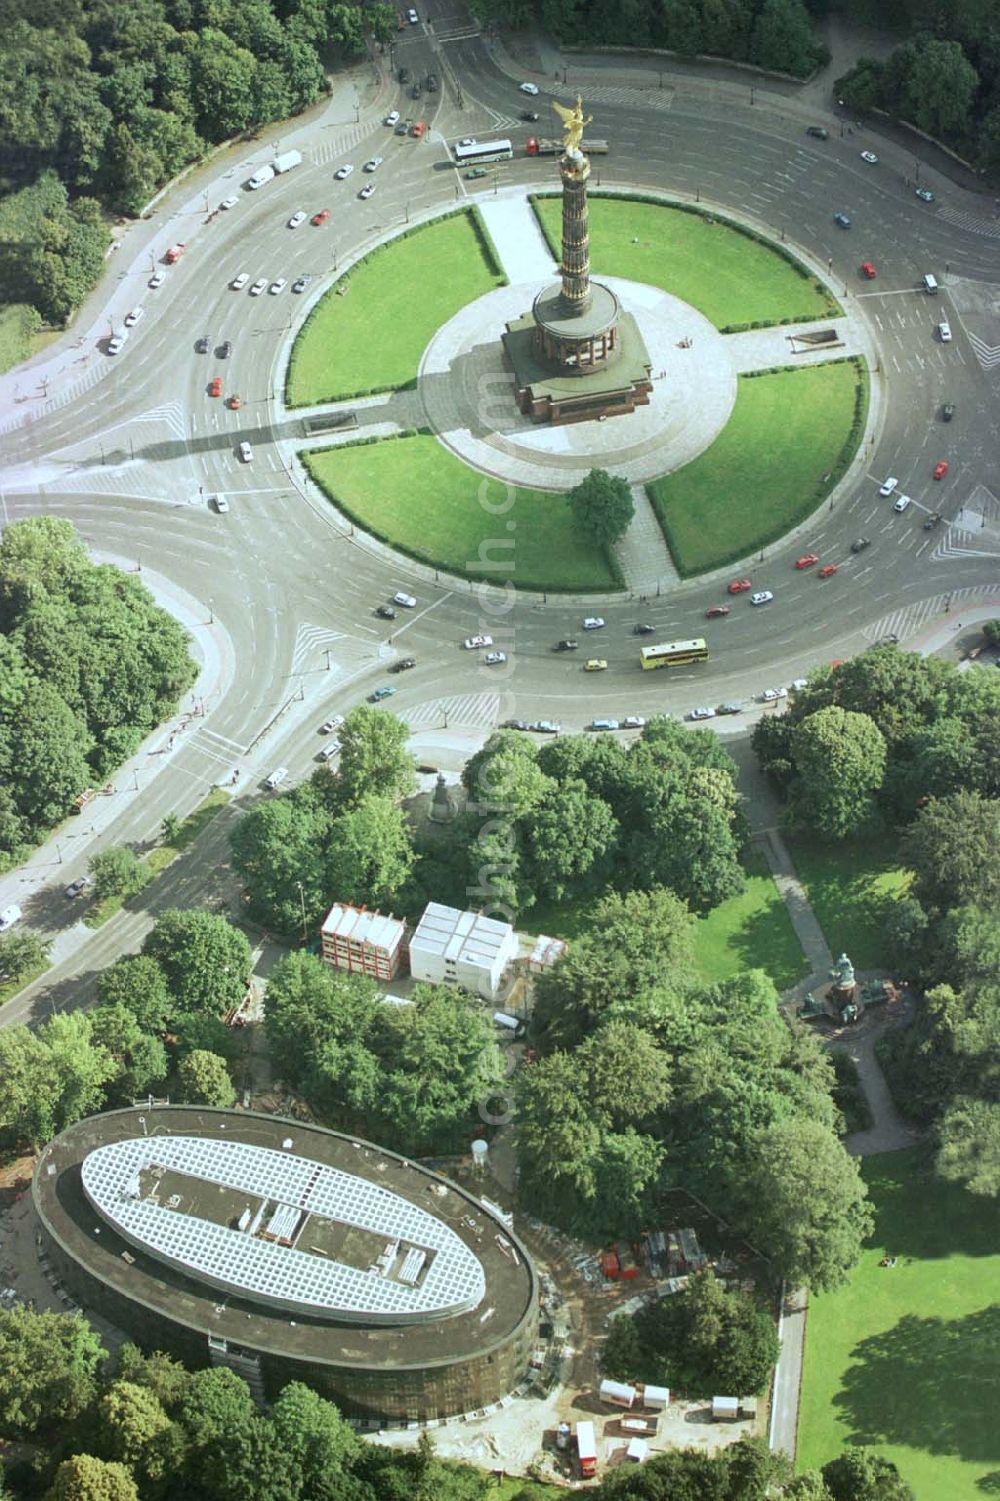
pixel 907 622
pixel 342 141
pixel 311 645
pixel 476 710
pixel 976 224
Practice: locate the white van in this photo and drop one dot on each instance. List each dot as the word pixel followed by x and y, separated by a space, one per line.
pixel 9 916
pixel 930 284
pixel 260 177
pixel 276 778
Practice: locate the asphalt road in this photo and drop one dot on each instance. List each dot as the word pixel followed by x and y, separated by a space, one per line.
pixel 135 453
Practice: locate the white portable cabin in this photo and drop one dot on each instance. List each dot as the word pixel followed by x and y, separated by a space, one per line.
pixel 644 1426
pixel 617 1393
pixel 638 1450
pixel 725 1409
pixel 656 1397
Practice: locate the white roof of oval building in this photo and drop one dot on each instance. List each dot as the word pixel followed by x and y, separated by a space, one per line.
pixel 276 1228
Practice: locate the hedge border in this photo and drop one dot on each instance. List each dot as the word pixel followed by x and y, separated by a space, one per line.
pixel 711 217
pixel 426 559
pixel 471 213
pixel 809 504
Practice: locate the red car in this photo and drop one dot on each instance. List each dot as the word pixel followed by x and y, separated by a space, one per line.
pixel 215 386
pixel 807 560
pixel 868 270
pixel 828 570
pixel 714 611
pixel 740 586
pixel 321 217
pixel 941 469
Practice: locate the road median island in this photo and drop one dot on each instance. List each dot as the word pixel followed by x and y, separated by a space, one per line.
pixel 789 441
pixel 419 498
pixel 737 279
pixel 369 338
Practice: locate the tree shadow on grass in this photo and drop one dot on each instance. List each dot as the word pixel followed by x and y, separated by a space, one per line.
pixel 918 1215
pixel 928 1383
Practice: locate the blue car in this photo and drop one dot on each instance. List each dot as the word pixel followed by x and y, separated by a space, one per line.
pixel 842 220
pixel 380 694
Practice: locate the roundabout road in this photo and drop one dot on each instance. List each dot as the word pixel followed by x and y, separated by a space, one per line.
pixel 132 448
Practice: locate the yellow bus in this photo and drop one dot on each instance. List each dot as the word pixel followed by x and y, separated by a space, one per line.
pixel 675 653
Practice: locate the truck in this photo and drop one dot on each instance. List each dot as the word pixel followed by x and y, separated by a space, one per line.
pixel 536 147
pixel 286 161
pixel 586 1449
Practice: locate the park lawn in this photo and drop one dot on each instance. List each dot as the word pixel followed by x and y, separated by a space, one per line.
pixel 728 276
pixel 850 886
pixel 907 1358
pixel 787 441
pixel 750 931
pixel 18 335
pixel 372 337
pixel 419 497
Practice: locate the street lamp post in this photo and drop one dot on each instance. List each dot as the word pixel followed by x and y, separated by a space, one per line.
pixel 211 612
pixel 302 901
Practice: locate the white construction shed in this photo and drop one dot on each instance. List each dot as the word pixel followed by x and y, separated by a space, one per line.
pixel 451 947
pixel 725 1409
pixel 638 1450
pixel 617 1393
pixel 656 1397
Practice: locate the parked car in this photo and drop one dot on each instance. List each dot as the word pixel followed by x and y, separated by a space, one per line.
pixel 385 612
pixel 9 916
pixel 221 505
pixel 868 270
pixel 331 749
pixel 771 695
pixel 514 724
pixel 118 341
pixel 77 888
pixel 633 722
pixel 230 202
pixel 301 284
pixel 545 727
pixel 729 709
pixel 944 331
pixel 603 724
pixel 406 600
pixel 704 712
pixel 157 279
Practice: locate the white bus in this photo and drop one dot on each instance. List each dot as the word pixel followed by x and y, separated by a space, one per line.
pixel 483 151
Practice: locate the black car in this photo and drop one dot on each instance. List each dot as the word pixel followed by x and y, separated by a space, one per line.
pixel 566 646
pixel 385 612
pixel 643 629
pixel 947 411
pixel 818 131
pixel 404 75
pixel 432 84
pixel 859 544
pixel 729 709
pixel 202 345
pixel 514 724
pixel 933 520
pixel 415 91
pixel 529 114
pixel 225 350
pixel 403 664
pixel 402 128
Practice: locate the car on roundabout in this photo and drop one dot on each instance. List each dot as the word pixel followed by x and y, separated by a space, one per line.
pixel 924 194
pixel 842 220
pixel 807 560
pixel 367 190
pixel 528 88
pixel 828 570
pixel 230 202
pixel 740 586
pixel 940 469
pixel 531 115
pixel 373 163
pixel 566 645
pixel 704 712
pixel 321 218
pixel 301 284
pixel 933 520
pixel 202 344
pixel 494 658
pixel 868 270
pixel 472 643
pixel 385 691
pixel 215 386
pixel 344 171
pixel 762 597
pixel 870 158
pixel 403 127
pixel 860 543
pixel 299 217
pixel 157 279
pixel 277 286
pixel 392 118
pixel 225 350
pixel 595 664
pixel 404 664
pixel 474 173
pixel 643 628
pixel 888 485
pixel 258 286
pixel 901 503
pixel 947 411
pixel 329 725
pixel 239 282
pixel 245 452
pixel 716 612
pixel 594 623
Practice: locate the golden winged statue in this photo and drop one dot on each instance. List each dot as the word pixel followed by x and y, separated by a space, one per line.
pixel 574 122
